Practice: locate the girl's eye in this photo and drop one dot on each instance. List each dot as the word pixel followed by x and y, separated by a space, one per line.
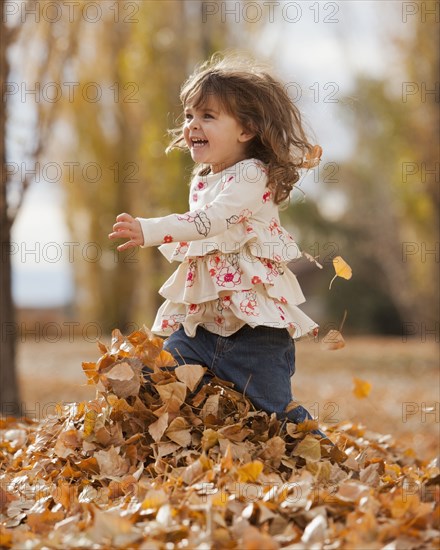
pixel 188 116
pixel 207 115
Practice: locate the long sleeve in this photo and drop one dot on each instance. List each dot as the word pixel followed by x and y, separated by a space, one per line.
pixel 239 198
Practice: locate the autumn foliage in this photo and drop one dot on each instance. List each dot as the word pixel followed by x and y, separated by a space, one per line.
pixel 161 461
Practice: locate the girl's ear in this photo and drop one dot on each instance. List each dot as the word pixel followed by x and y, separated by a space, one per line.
pixel 245 135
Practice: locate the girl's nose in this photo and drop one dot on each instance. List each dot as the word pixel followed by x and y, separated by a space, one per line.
pixel 193 123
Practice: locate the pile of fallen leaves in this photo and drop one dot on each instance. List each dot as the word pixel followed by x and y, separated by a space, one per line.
pixel 159 461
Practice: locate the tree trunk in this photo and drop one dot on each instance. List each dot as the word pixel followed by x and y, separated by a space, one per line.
pixel 9 393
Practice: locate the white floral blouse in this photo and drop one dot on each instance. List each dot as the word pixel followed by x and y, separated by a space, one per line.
pixel 233 253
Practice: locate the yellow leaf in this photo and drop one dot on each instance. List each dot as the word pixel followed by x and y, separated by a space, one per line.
pixel 250 471
pixel 342 269
pixel 309 448
pixel 361 388
pixel 89 422
pixel 154 499
pixel 5 538
pixel 165 359
pixel 209 439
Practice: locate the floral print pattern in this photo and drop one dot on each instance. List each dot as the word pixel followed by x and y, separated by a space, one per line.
pixel 223 290
pixel 249 305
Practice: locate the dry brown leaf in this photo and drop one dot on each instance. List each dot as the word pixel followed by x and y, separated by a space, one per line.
pixel 190 375
pixel 157 429
pixel 175 391
pixel 333 340
pixel 165 467
pixel 179 432
pixel 111 463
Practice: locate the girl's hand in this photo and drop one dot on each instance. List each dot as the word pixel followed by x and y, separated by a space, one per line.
pixel 127 227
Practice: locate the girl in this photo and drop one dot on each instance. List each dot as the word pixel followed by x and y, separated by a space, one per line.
pixel 232 303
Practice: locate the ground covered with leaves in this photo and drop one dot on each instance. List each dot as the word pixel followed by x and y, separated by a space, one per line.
pixel 163 463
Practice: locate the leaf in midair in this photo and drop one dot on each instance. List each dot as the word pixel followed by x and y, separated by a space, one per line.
pixel 361 388
pixel 165 359
pixel 342 269
pixel 333 340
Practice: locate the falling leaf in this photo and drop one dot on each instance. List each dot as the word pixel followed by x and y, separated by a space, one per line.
pixel 273 451
pixel 342 269
pixel 361 388
pixel 333 340
pixel 42 522
pixel 312 158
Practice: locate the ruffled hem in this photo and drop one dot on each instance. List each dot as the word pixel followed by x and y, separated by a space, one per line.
pixel 207 278
pixel 222 291
pixel 227 314
pixel 271 241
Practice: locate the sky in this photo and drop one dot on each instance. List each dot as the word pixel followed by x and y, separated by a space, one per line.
pixel 316 47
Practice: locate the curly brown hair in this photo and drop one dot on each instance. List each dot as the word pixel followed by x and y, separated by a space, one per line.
pixel 262 106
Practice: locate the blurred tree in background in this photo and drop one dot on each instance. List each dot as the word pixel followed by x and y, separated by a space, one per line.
pixel 140 61
pixel 389 230
pixel 43 39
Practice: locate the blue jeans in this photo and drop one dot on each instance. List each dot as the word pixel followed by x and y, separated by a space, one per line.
pixel 259 361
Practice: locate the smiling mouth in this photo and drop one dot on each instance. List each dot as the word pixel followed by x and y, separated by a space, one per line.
pixel 197 142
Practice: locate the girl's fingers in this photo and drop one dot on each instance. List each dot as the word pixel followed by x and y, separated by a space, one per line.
pixel 122 225
pixel 121 234
pixel 124 217
pixel 125 246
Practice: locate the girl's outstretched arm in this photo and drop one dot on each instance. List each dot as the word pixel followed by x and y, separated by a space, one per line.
pixel 242 197
pixel 127 227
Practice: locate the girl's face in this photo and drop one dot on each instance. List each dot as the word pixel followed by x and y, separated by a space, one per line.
pixel 213 136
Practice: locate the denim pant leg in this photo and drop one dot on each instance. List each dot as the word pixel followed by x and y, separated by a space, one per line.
pixel 192 351
pixel 260 362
